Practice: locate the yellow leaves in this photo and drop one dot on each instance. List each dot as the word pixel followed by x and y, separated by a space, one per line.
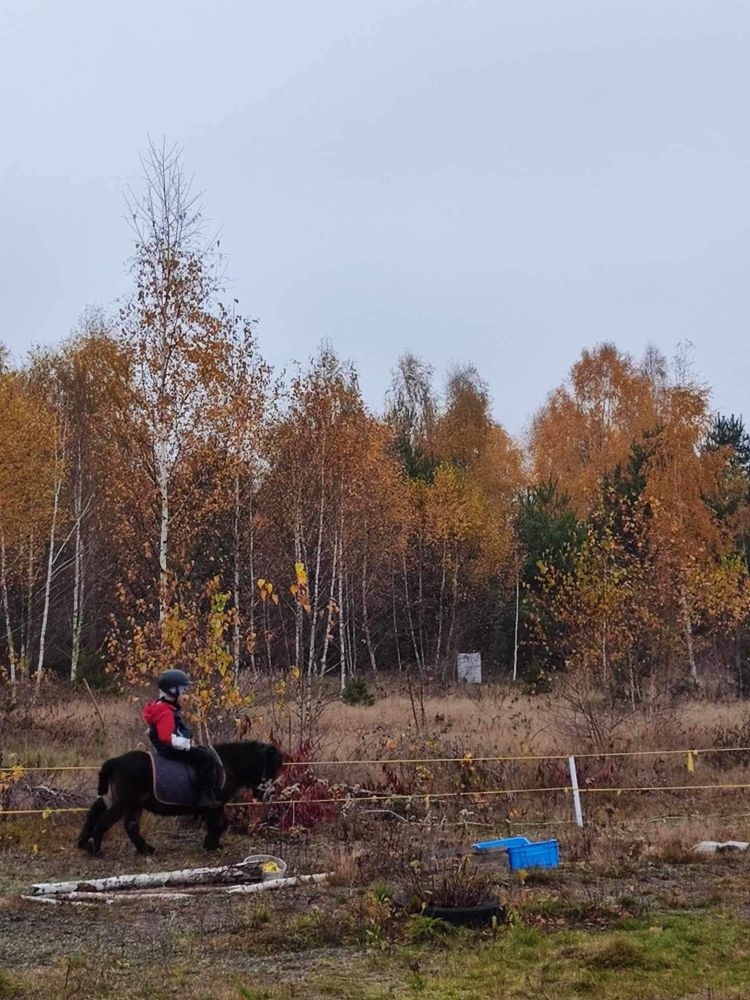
pixel 194 635
pixel 298 590
pixel 296 673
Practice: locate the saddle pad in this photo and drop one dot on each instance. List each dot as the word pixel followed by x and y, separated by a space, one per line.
pixel 174 783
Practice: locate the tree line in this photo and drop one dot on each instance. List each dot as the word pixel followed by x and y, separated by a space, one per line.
pixel 166 497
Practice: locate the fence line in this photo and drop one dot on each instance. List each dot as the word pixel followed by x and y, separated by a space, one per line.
pixel 468 758
pixel 429 797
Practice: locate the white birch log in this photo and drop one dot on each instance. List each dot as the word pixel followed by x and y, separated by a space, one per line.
pixel 55 900
pixel 80 898
pixel 279 883
pixel 249 870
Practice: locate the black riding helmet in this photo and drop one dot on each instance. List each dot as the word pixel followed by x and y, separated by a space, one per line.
pixel 171 680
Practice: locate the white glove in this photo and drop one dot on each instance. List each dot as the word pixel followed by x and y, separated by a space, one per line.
pixel 181 742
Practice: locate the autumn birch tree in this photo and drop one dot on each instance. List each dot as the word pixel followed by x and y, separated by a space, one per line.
pixel 175 338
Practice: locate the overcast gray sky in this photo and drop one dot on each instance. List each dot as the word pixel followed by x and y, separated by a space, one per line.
pixel 496 182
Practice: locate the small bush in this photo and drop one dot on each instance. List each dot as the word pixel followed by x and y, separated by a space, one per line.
pixel 356 692
pixel 301 800
pixel 91 668
pixel 381 892
pixel 453 883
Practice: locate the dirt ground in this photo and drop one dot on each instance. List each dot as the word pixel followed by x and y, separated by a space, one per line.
pixel 337 940
pixel 631 914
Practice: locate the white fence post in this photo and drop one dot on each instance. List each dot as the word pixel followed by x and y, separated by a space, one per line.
pixel 574 787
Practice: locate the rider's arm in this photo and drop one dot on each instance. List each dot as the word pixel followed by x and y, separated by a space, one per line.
pixel 165 733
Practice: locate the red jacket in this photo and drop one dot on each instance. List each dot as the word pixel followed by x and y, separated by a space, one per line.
pixel 164 721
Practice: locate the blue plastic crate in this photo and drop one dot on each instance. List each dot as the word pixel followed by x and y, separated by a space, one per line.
pixel 504 844
pixel 545 854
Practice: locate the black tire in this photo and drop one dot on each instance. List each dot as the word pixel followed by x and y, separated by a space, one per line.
pixel 471 916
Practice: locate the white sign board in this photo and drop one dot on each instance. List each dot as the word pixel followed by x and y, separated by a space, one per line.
pixel 470 667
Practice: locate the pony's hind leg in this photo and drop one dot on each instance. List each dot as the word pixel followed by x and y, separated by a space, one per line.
pixel 92 817
pixel 110 817
pixel 133 829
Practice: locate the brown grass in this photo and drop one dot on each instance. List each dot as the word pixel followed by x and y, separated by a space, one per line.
pixel 64 729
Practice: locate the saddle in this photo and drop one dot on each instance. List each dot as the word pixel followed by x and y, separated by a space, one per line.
pixel 174 783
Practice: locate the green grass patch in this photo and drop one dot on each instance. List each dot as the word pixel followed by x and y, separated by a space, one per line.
pixel 673 957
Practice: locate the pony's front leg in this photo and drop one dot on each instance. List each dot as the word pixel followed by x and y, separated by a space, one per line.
pixel 216 824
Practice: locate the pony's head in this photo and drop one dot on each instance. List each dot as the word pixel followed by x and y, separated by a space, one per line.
pixel 254 765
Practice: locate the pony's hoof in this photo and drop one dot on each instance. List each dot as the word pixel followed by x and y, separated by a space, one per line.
pixel 93 848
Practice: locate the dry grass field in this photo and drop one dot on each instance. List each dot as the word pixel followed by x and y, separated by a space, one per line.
pixel 630 913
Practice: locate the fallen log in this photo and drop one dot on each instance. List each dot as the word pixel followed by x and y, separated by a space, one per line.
pixel 78 898
pixel 719 847
pixel 250 870
pixel 279 883
pixel 55 900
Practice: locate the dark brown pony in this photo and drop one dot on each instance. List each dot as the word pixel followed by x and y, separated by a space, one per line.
pixel 126 789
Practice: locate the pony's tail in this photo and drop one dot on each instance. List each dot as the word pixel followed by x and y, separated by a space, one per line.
pixel 104 775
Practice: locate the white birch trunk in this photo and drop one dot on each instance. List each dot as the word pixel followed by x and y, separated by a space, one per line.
pixel 689 638
pixel 316 584
pixel 236 591
pixel 395 620
pixel 251 603
pixel 409 617
pixel 331 605
pixel 6 611
pixel 162 469
pixel 48 581
pixel 440 610
pixel 77 619
pixel 351 618
pixel 297 605
pixel 449 644
pixel 342 617
pixel 366 618
pixel 420 604
pixel 26 640
pixel 515 625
